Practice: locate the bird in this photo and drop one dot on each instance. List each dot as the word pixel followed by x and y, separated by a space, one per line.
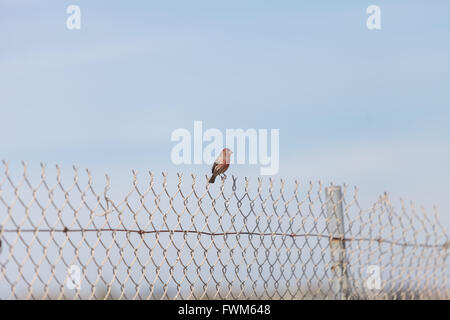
pixel 221 164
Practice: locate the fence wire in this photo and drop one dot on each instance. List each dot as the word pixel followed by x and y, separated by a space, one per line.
pixel 178 237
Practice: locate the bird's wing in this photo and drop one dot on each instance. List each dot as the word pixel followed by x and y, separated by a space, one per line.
pixel 214 167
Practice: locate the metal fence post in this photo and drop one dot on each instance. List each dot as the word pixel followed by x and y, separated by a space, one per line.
pixel 335 227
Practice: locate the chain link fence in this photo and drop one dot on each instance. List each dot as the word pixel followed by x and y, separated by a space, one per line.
pixel 177 237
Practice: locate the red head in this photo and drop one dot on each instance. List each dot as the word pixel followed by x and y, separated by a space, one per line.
pixel 224 156
pixel 227 152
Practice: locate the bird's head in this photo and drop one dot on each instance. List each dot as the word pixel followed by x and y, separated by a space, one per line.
pixel 227 152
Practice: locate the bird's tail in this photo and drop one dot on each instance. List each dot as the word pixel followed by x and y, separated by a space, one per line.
pixel 213 178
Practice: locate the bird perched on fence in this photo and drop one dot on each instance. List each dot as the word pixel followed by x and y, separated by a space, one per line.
pixel 221 164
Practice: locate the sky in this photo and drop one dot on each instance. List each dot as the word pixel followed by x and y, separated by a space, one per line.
pixel 369 108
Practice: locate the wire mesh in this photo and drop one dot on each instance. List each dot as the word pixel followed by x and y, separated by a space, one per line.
pixel 178 237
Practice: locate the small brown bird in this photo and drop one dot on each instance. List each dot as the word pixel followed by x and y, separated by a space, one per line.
pixel 221 164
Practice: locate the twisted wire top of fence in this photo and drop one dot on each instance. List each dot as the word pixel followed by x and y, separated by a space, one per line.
pixel 171 238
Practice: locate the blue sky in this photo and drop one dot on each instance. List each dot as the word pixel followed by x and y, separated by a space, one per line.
pixel 369 108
